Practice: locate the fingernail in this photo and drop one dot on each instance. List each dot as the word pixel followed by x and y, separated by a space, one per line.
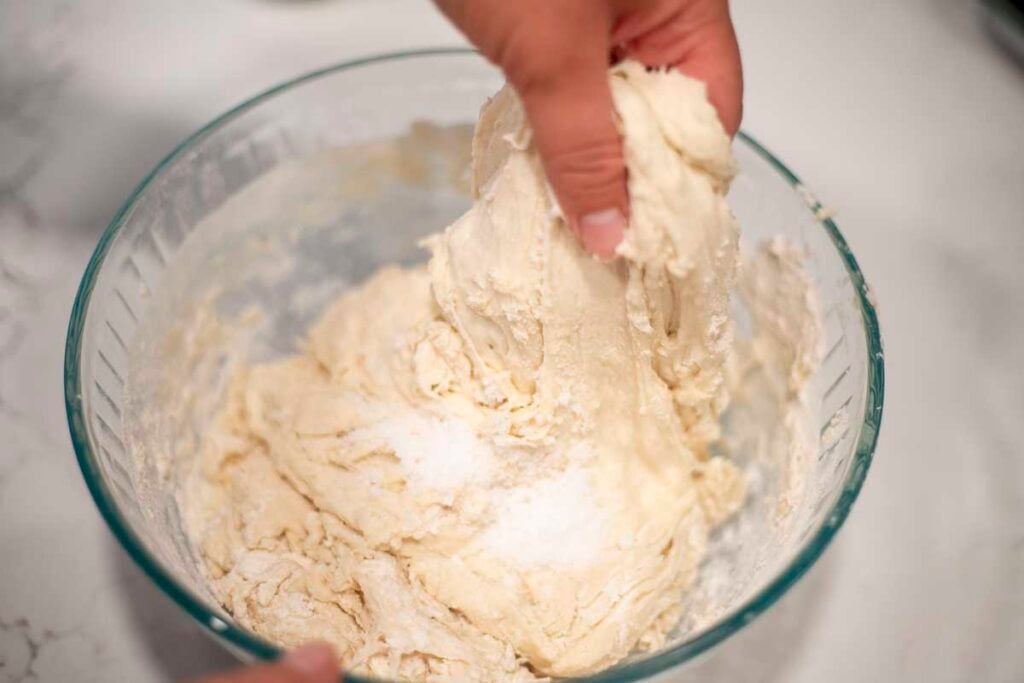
pixel 315 661
pixel 601 231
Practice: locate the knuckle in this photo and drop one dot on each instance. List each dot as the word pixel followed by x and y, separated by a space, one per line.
pixel 590 174
pixel 589 163
pixel 533 70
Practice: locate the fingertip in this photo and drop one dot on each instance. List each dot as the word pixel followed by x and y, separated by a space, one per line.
pixel 316 662
pixel 581 150
pixel 728 101
pixel 602 231
pixel 723 75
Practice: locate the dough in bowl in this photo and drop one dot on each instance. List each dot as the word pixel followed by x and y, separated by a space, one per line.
pixel 496 466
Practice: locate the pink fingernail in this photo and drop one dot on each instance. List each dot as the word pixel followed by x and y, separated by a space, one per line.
pixel 316 661
pixel 601 231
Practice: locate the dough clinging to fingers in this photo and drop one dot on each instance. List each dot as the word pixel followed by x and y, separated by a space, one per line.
pixel 495 467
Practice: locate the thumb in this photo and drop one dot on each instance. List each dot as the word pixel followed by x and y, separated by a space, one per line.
pixel 314 663
pixel 579 145
pixel 563 83
pixel 555 55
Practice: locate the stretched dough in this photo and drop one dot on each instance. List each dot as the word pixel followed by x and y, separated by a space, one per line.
pixel 495 467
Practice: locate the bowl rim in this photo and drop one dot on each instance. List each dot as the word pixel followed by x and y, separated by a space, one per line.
pixel 630 671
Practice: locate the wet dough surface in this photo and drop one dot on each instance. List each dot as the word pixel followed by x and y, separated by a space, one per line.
pixel 495 466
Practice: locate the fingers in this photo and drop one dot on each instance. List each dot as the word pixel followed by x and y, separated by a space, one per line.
pixel 555 54
pixel 640 17
pixel 698 39
pixel 579 145
pixel 308 664
pixel 316 662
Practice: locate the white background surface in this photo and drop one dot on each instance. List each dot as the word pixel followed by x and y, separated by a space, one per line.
pixel 900 114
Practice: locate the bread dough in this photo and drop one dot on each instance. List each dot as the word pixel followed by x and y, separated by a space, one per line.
pixel 495 467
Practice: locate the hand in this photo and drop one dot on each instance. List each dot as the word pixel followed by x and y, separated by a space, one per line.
pixel 308 664
pixel 556 53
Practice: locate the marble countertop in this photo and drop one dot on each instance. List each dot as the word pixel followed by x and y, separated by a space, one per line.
pixel 904 116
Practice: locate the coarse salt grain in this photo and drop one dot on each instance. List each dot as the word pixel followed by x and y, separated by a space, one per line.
pixel 440 454
pixel 554 521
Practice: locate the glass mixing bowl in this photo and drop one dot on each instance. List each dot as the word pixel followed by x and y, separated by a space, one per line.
pixel 302 191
